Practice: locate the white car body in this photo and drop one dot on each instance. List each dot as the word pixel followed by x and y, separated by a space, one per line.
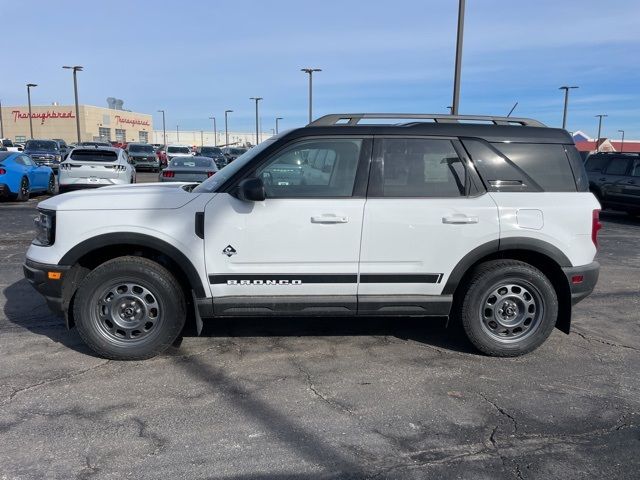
pixel 89 167
pixel 313 223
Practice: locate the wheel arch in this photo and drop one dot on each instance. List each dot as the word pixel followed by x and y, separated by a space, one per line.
pixel 542 255
pixel 91 253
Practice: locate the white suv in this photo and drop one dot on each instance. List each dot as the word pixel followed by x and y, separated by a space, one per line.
pixel 487 220
pixel 90 167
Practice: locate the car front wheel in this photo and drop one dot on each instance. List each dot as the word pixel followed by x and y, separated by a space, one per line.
pixel 129 308
pixel 509 308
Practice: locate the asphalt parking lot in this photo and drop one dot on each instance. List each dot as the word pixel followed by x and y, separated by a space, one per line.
pixel 323 398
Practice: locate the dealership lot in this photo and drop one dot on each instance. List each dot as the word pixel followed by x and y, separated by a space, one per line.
pixel 305 398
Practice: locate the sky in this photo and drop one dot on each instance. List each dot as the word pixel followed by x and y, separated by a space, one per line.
pixel 196 58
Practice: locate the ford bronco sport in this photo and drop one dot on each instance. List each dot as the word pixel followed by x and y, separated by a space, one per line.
pixel 488 220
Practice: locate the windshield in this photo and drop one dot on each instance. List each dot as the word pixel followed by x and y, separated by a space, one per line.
pixel 7 143
pixel 141 149
pixel 41 145
pixel 237 151
pixel 213 183
pixel 178 150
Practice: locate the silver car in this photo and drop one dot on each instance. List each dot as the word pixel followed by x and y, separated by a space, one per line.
pixel 188 169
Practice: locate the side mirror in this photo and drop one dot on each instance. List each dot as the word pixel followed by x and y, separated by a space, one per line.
pixel 251 190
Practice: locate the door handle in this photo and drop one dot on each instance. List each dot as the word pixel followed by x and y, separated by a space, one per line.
pixel 329 218
pixel 459 219
pixel 631 182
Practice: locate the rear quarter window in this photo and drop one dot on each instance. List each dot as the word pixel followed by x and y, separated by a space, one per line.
pixel 547 164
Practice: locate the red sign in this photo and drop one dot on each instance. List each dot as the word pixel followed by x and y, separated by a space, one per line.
pixel 43 116
pixel 132 121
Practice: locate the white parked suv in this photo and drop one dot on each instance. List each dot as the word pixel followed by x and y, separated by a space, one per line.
pixel 90 167
pixel 487 220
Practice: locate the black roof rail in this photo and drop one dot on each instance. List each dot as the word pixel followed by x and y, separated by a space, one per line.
pixel 350 119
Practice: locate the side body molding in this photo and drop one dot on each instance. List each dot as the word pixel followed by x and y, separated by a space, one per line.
pixel 139 240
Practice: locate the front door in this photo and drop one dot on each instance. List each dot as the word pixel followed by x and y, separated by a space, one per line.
pixel 424 213
pixel 297 251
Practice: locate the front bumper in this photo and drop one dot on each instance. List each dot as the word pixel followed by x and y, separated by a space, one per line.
pixel 581 290
pixel 37 274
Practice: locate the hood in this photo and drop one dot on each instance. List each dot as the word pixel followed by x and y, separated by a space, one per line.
pixel 140 196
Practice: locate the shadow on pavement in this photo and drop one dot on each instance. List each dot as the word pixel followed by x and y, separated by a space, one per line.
pixel 26 308
pixel 619 218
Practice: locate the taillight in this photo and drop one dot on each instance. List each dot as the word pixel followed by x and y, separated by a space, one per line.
pixel 210 174
pixel 595 227
pixel 2 171
pixel 168 174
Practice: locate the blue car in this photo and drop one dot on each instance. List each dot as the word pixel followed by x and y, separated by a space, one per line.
pixel 20 176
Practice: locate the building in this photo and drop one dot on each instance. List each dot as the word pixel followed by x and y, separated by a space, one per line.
pixel 204 137
pixel 586 144
pixel 59 121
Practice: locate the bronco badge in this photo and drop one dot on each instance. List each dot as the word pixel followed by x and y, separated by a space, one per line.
pixel 229 251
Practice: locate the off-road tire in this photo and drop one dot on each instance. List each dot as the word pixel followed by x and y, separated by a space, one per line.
pixel 110 334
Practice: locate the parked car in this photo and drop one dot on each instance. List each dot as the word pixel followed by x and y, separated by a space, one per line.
pixel 91 167
pixel 231 153
pixel 44 152
pixel 143 157
pixel 178 151
pixel 487 220
pixel 213 152
pixel 63 147
pixel 184 169
pixel 20 176
pixel 614 178
pixel 9 146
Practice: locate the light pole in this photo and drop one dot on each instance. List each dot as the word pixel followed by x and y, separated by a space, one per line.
pixel 277 119
pixel 178 133
pixel 622 143
pixel 310 72
pixel 76 69
pixel 164 130
pixel 599 130
pixel 215 131
pixel 226 127
pixel 201 138
pixel 257 99
pixel 458 67
pixel 29 87
pixel 566 102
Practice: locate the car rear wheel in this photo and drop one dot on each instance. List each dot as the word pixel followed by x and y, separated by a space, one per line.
pixel 51 186
pixel 24 191
pixel 129 308
pixel 509 308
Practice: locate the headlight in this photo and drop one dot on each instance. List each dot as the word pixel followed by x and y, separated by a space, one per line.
pixel 45 228
pixel 58 158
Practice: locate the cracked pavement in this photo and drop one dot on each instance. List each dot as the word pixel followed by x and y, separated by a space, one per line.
pixel 323 398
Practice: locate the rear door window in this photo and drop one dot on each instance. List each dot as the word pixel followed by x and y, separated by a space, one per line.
pixel 595 163
pixel 617 166
pixel 419 168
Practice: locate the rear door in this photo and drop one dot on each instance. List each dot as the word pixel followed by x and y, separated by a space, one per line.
pixel 631 185
pixel 425 211
pixel 613 180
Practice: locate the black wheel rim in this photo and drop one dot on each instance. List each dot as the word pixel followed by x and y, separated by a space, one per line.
pixel 511 310
pixel 24 187
pixel 127 312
